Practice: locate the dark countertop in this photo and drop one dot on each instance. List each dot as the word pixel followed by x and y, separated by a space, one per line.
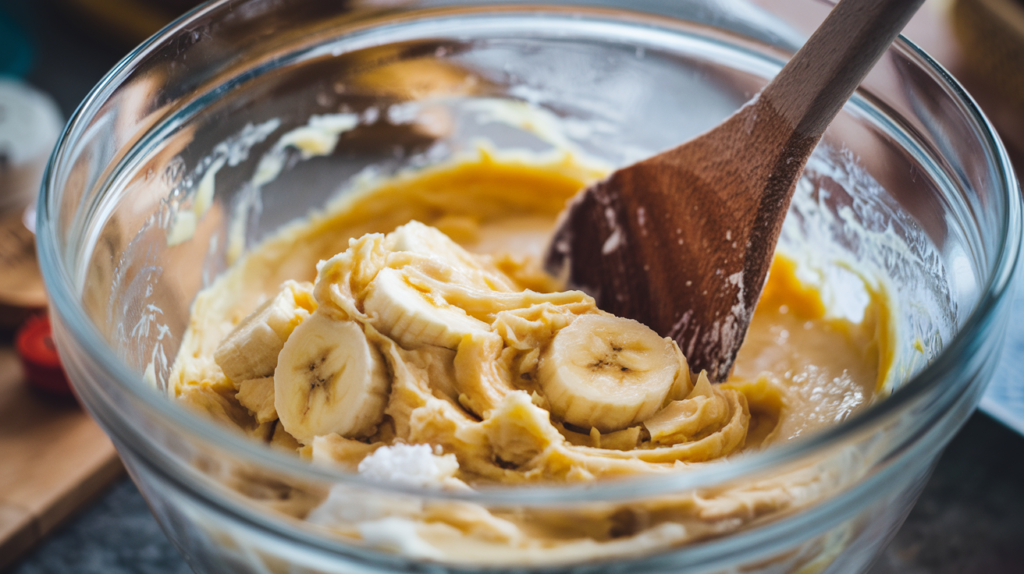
pixel 116 535
pixel 969 519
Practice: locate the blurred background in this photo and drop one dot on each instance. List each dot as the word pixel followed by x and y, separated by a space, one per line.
pixel 65 46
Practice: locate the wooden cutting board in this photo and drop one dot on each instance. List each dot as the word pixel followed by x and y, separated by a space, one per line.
pixel 53 459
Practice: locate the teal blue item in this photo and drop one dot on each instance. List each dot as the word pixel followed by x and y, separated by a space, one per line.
pixel 15 49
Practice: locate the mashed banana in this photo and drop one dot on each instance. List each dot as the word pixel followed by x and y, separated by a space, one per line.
pixel 415 312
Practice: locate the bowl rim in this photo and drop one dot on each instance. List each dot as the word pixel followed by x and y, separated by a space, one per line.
pixel 81 329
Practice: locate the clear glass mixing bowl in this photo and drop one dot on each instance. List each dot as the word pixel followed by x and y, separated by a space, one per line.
pixel 910 185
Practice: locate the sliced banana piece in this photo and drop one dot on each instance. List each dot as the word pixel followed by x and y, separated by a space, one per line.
pixel 430 242
pixel 606 372
pixel 426 240
pixel 257 395
pixel 250 350
pixel 414 318
pixel 330 379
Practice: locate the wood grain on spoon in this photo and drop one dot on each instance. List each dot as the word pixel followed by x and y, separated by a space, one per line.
pixel 682 241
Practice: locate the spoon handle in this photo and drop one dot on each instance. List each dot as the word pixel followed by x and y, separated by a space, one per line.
pixel 812 88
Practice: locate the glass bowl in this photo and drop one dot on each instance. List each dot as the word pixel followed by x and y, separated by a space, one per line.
pixel 909 186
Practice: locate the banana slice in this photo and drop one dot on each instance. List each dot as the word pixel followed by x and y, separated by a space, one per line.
pixel 329 380
pixel 414 318
pixel 257 395
pixel 607 373
pixel 415 237
pixel 250 350
pixel 426 240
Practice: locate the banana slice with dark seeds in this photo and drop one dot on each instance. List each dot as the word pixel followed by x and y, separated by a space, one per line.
pixel 330 379
pixel 607 372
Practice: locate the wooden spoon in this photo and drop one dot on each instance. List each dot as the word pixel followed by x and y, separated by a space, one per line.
pixel 682 241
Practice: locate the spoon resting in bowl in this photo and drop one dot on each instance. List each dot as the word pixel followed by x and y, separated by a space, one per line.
pixel 682 241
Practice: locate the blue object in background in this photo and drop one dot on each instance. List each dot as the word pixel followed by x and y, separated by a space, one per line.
pixel 15 48
pixel 1004 399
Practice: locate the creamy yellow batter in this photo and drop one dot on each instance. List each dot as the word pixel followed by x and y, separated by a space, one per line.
pixel 478 402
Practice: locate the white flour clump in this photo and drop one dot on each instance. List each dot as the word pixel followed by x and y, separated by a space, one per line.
pixel 415 465
pixel 387 522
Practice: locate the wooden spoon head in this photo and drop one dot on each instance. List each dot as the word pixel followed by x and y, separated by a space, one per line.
pixel 682 242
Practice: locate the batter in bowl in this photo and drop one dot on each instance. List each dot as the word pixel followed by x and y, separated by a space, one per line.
pixel 410 326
